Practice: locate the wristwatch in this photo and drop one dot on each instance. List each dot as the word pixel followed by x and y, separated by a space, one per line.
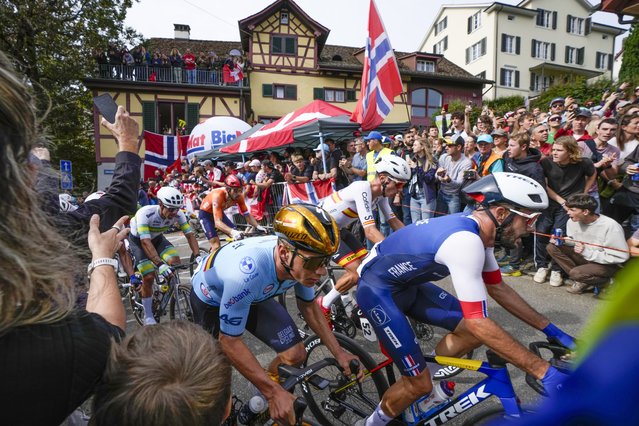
pixel 100 262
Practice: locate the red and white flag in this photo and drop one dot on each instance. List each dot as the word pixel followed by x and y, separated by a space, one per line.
pixel 381 81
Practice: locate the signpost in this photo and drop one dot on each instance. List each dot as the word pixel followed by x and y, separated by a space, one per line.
pixel 66 176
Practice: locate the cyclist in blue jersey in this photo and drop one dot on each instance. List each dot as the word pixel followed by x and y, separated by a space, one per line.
pixel 395 282
pixel 233 290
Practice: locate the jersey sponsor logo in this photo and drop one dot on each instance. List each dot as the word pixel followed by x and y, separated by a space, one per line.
pixel 422 222
pixel 233 300
pixel 150 214
pixel 367 218
pixel 459 407
pixel 401 268
pixel 268 289
pixel 250 277
pixel 443 295
pixel 286 335
pixel 205 291
pixel 378 316
pixel 367 204
pixel 247 265
pixel 394 340
pixel 231 320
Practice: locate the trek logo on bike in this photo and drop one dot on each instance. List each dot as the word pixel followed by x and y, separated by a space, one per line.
pixel 232 320
pixel 247 265
pixel 462 405
pixel 378 315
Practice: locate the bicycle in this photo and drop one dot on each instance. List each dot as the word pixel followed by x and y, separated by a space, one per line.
pixel 343 401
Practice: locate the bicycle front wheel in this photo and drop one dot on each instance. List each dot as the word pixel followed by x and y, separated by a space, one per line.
pixel 342 402
pixel 180 306
pixel 136 306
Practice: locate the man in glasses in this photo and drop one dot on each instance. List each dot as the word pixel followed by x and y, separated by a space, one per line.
pixel 152 251
pixel 234 290
pixel 557 106
pixel 395 283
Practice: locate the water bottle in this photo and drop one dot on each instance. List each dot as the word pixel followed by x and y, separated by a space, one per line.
pixel 441 394
pixel 254 407
pixel 635 177
pixel 558 233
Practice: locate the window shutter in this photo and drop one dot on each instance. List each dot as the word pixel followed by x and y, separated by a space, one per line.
pixel 276 44
pixel 503 42
pixel 518 45
pixel 554 20
pixel 567 58
pixel 148 116
pixel 539 16
pixel 470 24
pixel 318 93
pixel 192 116
pixel 502 76
pixel 436 29
pixel 532 82
pixel 552 51
pixel 597 59
pixel 267 90
pixel 445 22
pixel 290 92
pixel 516 78
pixel 532 53
pixel 580 56
pixel 434 48
pixel 483 46
pixel 290 46
pixel 351 96
pixel 467 54
pixel 609 62
pixel 588 26
pixel 568 18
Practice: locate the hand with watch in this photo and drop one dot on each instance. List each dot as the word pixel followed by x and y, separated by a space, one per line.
pixel 104 245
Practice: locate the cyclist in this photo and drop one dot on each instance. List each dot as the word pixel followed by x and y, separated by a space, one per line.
pixel 395 282
pixel 233 290
pixel 152 251
pixel 211 213
pixel 357 201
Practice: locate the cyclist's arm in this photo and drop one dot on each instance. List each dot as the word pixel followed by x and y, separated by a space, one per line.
pixel 385 208
pixel 151 253
pixel 193 244
pixel 218 200
pixel 361 193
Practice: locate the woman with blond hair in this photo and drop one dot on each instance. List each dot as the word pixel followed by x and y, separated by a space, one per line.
pixel 423 184
pixel 52 354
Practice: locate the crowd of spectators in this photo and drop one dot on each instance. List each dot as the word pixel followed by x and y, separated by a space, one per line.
pixel 138 64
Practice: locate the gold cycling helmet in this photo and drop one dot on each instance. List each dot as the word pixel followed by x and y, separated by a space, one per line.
pixel 307 227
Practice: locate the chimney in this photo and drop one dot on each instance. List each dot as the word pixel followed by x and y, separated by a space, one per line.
pixel 182 31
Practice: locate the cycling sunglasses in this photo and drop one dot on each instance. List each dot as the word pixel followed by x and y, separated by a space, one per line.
pixel 531 217
pixel 312 263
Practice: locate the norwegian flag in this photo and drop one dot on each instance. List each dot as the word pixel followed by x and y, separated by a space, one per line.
pixel 161 151
pixel 309 193
pixel 381 81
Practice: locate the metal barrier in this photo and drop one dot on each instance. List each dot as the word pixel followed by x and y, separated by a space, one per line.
pixel 277 191
pixel 164 74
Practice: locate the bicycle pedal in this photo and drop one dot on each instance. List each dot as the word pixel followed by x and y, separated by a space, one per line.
pixel 318 382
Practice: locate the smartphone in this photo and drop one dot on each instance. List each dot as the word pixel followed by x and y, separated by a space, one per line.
pixel 446 107
pixel 107 106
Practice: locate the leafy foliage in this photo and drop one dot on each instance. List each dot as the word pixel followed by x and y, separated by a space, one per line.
pixel 630 65
pixel 52 44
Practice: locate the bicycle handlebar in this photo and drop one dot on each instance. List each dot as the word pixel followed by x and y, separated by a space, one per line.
pixel 558 353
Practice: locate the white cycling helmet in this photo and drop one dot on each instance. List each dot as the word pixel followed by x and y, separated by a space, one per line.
pixel 67 203
pixel 95 196
pixel 512 188
pixel 170 197
pixel 395 166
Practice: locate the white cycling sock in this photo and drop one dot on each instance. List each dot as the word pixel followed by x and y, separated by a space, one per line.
pixel 330 298
pixel 147 302
pixel 378 418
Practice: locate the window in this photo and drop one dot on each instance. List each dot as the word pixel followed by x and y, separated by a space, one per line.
pixel 334 95
pixel 481 75
pixel 425 103
pixel 546 19
pixel 168 115
pixel 543 50
pixel 510 44
pixel 441 25
pixel 441 46
pixel 279 91
pixel 574 55
pixel 578 26
pixel 474 22
pixel 426 66
pixel 604 61
pixel 476 51
pixel 284 18
pixel 539 83
pixel 509 78
pixel 283 45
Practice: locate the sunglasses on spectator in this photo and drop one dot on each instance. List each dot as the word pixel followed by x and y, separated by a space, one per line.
pixel 531 217
pixel 556 105
pixel 554 119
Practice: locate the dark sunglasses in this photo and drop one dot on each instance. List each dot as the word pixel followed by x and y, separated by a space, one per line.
pixel 554 119
pixel 312 263
pixel 172 209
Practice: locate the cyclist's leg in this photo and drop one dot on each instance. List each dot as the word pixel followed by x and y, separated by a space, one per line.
pixel 208 225
pixel 271 323
pixel 148 271
pixel 397 337
pixel 207 316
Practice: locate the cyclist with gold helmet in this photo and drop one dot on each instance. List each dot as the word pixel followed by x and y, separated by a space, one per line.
pixel 233 290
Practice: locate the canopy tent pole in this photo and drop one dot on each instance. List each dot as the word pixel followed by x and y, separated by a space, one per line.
pixel 321 138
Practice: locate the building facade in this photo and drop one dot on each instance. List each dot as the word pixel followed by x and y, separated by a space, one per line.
pixel 524 48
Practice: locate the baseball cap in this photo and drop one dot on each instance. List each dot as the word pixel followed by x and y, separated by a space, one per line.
pixel 509 114
pixel 386 140
pixel 450 141
pixel 229 163
pixel 583 112
pixel 485 139
pixel 556 101
pixel 322 146
pixel 399 138
pixel 267 163
pixel 499 132
pixel 374 135
pixel 207 163
pixel 622 104
pixel 255 163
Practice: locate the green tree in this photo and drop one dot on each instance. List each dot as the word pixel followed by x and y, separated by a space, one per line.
pixel 630 64
pixel 52 43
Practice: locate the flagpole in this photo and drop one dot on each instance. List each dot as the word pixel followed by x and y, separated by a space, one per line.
pixel 404 96
pixel 321 138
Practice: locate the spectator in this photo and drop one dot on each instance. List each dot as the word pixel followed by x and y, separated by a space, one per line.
pixel 214 176
pixel 189 61
pixel 265 188
pixel 128 63
pixel 438 148
pixel 486 161
pixel 557 106
pixel 597 247
pixel 575 125
pixel 511 121
pixel 301 171
pixel 626 201
pixel 567 173
pixel 376 150
pixel 539 139
pixel 422 186
pixel 470 146
pixel 525 122
pixel 554 124
pixel 323 163
pixel 202 63
pixel 143 198
pixel 633 244
pixel 500 139
pixel 457 126
pixel 357 170
pixel 170 374
pixel 176 63
pixel 627 137
pixel 450 175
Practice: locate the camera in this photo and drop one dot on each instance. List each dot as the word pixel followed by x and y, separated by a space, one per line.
pixel 469 174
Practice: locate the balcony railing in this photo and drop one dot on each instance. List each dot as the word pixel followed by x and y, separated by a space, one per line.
pixel 172 75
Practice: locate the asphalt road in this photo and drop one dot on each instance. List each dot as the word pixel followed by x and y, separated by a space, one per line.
pixel 567 311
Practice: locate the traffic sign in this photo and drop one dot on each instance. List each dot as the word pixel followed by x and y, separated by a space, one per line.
pixel 66 180
pixel 65 166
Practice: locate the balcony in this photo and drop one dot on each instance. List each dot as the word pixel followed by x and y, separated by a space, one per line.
pixel 164 75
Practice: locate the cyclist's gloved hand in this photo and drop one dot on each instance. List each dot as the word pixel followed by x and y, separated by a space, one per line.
pixel 554 332
pixel 237 235
pixel 261 229
pixel 553 380
pixel 165 270
pixel 198 259
pixel 135 281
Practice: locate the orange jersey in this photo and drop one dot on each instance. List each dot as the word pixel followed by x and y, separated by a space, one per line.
pixel 217 201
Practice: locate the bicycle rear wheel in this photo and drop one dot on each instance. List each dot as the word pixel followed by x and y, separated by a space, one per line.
pixel 180 305
pixel 336 404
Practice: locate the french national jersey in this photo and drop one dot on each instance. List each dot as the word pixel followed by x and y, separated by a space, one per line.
pixel 356 202
pixel 238 275
pixel 432 249
pixel 148 223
